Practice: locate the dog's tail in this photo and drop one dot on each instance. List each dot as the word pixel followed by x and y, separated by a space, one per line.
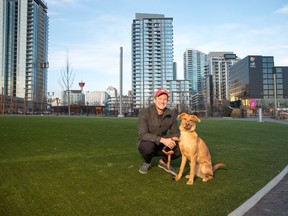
pixel 217 166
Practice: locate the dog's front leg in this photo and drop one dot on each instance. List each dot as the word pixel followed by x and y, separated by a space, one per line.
pixel 192 170
pixel 181 170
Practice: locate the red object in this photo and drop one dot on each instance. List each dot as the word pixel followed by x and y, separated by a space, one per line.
pixel 160 92
pixel 81 84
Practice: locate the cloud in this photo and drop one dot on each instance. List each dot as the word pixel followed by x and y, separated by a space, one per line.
pixel 283 10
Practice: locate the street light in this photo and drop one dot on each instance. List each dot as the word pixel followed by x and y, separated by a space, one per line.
pixel 50 95
pixel 57 101
pixel 275 93
pixel 24 104
pixel 87 103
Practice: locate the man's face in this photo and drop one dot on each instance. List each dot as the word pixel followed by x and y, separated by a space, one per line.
pixel 161 101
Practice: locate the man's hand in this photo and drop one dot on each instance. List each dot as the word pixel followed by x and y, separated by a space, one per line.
pixel 175 139
pixel 168 142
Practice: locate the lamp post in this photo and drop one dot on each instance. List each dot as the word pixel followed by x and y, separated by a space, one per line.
pixel 24 104
pixel 121 83
pixel 57 101
pixel 87 103
pixel 50 95
pixel 275 93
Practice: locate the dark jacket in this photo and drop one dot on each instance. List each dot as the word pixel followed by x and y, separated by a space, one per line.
pixel 152 128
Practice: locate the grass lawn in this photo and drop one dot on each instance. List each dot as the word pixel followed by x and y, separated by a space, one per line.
pixel 89 166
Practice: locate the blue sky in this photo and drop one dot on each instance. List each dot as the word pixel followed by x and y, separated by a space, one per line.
pixel 92 32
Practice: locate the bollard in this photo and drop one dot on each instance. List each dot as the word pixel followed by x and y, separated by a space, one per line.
pixel 260 114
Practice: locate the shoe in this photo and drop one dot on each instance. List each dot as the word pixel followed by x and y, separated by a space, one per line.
pixel 162 165
pixel 145 168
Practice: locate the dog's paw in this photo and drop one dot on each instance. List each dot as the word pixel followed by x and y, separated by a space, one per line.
pixel 187 176
pixel 190 182
pixel 177 178
pixel 205 179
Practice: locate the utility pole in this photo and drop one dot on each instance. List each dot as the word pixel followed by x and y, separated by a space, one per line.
pixel 121 82
pixel 275 93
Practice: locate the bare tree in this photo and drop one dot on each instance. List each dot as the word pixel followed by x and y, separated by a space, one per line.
pixel 67 79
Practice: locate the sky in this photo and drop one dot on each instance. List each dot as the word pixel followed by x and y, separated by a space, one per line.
pixel 91 32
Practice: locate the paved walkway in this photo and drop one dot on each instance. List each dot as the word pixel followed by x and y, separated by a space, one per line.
pixel 272 200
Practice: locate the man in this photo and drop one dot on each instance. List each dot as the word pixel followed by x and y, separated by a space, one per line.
pixel 154 123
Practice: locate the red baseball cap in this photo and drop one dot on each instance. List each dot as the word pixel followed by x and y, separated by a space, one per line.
pixel 160 92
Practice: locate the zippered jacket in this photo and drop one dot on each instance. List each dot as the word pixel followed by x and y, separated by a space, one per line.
pixel 152 127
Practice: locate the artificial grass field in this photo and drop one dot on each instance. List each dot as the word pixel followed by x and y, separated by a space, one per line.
pixel 89 166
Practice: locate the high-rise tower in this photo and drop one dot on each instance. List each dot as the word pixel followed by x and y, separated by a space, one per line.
pixel 152 56
pixel 194 64
pixel 24 50
pixel 217 80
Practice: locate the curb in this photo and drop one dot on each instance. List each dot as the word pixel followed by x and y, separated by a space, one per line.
pixel 246 206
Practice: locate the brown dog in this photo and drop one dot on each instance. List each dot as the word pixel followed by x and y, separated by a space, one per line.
pixel 195 150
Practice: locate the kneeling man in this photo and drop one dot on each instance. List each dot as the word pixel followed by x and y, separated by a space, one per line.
pixel 154 123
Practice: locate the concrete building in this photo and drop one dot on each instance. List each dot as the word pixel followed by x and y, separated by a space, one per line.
pixel 153 65
pixel 216 81
pixel 24 51
pixel 96 98
pixel 256 82
pixel 180 95
pixel 75 96
pixel 113 108
pixel 112 91
pixel 113 103
pixel 152 56
pixel 194 64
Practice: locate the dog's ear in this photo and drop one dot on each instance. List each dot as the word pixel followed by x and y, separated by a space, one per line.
pixel 196 119
pixel 181 115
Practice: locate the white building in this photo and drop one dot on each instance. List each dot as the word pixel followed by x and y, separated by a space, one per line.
pixel 112 91
pixel 76 97
pixel 217 70
pixel 96 98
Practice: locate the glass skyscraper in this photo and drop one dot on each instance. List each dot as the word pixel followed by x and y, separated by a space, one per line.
pixel 152 56
pixel 24 50
pixel 194 64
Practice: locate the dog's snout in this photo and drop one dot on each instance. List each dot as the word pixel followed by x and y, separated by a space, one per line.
pixel 187 126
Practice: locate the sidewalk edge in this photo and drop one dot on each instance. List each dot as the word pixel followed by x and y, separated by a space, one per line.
pixel 241 210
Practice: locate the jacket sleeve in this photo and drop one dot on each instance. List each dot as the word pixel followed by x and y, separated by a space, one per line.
pixel 143 129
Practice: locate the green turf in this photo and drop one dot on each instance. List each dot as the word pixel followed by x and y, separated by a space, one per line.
pixel 89 166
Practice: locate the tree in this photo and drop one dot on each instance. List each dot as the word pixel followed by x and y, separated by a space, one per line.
pixel 67 79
